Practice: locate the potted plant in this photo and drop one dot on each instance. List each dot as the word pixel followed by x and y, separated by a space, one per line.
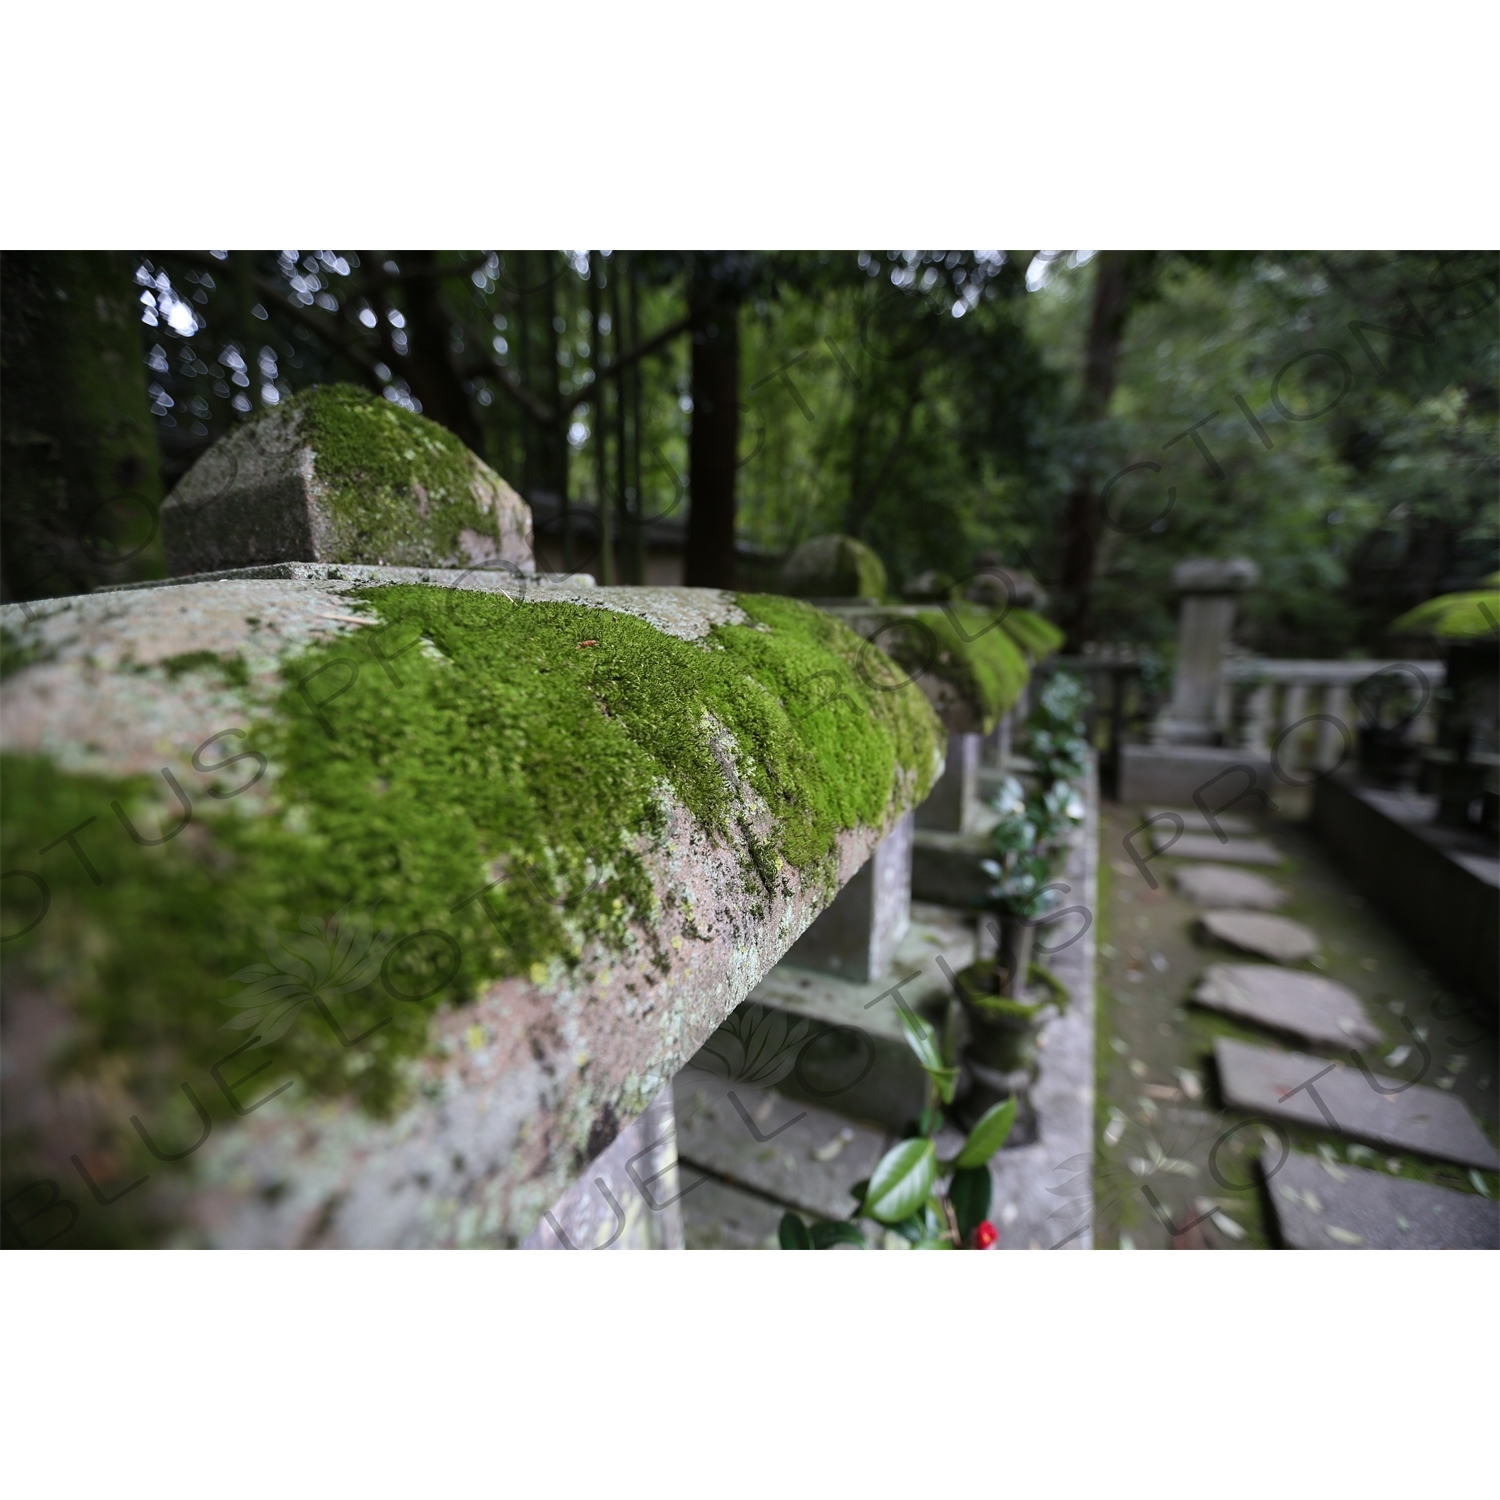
pixel 921 1200
pixel 1005 997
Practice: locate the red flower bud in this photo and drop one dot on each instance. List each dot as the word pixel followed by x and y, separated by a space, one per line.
pixel 984 1235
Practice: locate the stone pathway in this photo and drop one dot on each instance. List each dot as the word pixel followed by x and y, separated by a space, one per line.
pixel 1321 1206
pixel 1196 1132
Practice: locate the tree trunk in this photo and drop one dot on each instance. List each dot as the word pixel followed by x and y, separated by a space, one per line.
pixel 80 482
pixel 1118 277
pixel 713 446
pixel 428 367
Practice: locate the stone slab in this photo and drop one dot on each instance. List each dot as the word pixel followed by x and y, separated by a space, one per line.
pixel 1307 1006
pixel 1170 774
pixel 716 1215
pixel 1193 821
pixel 535 1075
pixel 1222 886
pixel 1206 846
pixel 946 868
pixel 1319 1207
pixel 1336 1097
pixel 792 1152
pixel 1278 938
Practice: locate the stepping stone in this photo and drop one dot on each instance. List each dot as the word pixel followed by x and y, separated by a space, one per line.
pixel 1283 1086
pixel 1193 821
pixel 1286 941
pixel 1206 846
pixel 1214 885
pixel 795 1153
pixel 1307 1006
pixel 1363 1210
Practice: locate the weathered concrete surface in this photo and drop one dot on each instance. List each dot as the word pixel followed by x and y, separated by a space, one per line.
pixel 520 1087
pixel 1338 1097
pixel 1306 1006
pixel 1173 773
pixel 719 1216
pixel 951 804
pixel 261 495
pixel 1324 1207
pixel 1216 885
pixel 1277 938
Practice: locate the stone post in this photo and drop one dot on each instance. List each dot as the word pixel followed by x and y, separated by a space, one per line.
pixel 951 802
pixel 1208 587
pixel 858 934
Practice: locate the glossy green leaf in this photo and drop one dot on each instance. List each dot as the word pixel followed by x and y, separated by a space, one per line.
pixel 793 1233
pixel 922 1038
pixel 988 1136
pixel 826 1233
pixel 912 1229
pixel 969 1192
pixel 900 1183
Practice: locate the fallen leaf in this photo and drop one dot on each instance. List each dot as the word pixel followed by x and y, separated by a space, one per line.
pixel 1399 1056
pixel 830 1149
pixel 1344 1236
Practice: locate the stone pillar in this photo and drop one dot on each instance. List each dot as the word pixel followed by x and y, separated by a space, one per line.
pixel 628 1198
pixel 952 800
pixel 1208 588
pixel 857 936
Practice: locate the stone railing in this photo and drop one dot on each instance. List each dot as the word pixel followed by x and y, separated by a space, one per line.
pixel 1305 713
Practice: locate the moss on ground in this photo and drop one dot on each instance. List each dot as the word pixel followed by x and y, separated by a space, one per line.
pixel 465 742
pixel 399 487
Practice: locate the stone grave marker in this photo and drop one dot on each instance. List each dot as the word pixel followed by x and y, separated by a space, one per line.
pixel 1306 1006
pixel 1221 886
pixel 1339 1097
pixel 1322 1206
pixel 1278 938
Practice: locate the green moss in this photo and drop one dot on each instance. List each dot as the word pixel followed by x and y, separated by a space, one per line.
pixel 231 668
pixel 1469 616
pixel 399 487
pixel 16 652
pixel 834 567
pixel 500 750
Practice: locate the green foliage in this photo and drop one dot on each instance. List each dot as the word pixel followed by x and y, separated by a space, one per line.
pixel 903 1192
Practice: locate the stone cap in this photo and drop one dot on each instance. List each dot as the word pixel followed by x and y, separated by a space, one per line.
pixel 340 475
pixel 1211 575
pixel 833 567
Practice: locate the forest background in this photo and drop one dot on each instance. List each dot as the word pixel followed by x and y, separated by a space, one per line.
pixel 1090 417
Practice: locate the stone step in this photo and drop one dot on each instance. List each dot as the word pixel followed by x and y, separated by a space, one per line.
pixel 1307 1006
pixel 716 1215
pixel 1194 821
pixel 1319 1206
pixel 1277 938
pixel 754 1138
pixel 1206 846
pixel 1220 886
pixel 1340 1098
